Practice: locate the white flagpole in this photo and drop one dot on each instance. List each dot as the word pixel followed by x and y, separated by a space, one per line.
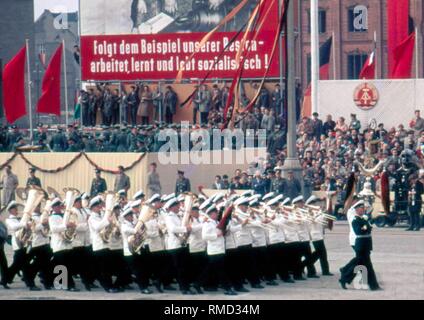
pixel 66 84
pixel 31 134
pixel 375 55
pixel 417 57
pixel 333 46
pixel 314 55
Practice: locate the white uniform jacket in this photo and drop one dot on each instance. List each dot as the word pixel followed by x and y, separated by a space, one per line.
pixel 215 244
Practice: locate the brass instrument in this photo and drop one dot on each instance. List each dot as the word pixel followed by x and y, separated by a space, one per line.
pixel 136 241
pixel 44 216
pixel 23 236
pixel 53 193
pixel 70 216
pixel 242 215
pixel 188 204
pixel 113 229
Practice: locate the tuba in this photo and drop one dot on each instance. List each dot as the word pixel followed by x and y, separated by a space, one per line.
pixel 113 228
pixel 71 216
pixel 136 241
pixel 188 204
pixel 23 237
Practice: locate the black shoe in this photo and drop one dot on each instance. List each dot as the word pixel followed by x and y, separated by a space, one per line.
pixel 257 286
pixel 343 284
pixel 34 288
pixel 328 274
pixel 158 288
pixel 378 288
pixel 128 287
pixel 198 289
pixel 299 278
pixel 313 276
pixel 87 287
pixel 210 289
pixel 146 291
pixel 417 229
pixel 230 292
pixel 410 229
pixel 188 292
pixel 48 288
pixel 5 286
pixel 242 289
pixel 288 280
pixel 73 289
pixel 169 288
pixel 272 283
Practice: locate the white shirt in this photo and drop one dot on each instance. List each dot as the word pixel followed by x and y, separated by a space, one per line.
pixel 97 223
pixel 127 230
pixel 257 233
pixel 116 243
pixel 154 239
pixel 82 228
pixel 232 228
pixel 290 231
pixel 316 229
pixel 174 227
pixel 57 227
pixel 195 240
pixel 303 232
pixel 243 237
pixel 38 238
pixel 276 235
pixel 215 244
pixel 13 226
pixel 350 216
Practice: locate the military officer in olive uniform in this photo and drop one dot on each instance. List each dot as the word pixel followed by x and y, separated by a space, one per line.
pixel 183 184
pixel 277 183
pixel 58 141
pixel 98 185
pixel 33 180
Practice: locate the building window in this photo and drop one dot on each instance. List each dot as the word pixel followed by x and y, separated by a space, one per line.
pixel 322 21
pixel 358 18
pixel 355 62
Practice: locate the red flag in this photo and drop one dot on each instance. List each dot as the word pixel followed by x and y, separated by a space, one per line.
pixel 50 97
pixel 403 56
pixel 398 27
pixel 368 70
pixel 14 87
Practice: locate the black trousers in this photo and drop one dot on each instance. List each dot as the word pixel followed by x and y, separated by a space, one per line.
pixel 41 258
pixel 231 267
pixel 362 258
pixel 92 119
pixel 246 265
pixel 414 214
pixel 216 271
pixel 169 272
pixel 204 117
pixel 144 120
pixel 180 259
pixel 115 116
pixel 197 264
pixel 277 262
pixel 139 267
pixel 133 114
pixel 3 265
pixel 64 258
pixel 158 264
pixel 194 115
pixel 21 263
pixel 294 263
pixel 80 264
pixel 263 264
pixel 102 263
pixel 321 254
pixel 90 267
pixel 168 117
pixel 306 254
pixel 119 269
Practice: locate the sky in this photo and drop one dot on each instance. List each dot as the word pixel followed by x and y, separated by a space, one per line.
pixel 55 6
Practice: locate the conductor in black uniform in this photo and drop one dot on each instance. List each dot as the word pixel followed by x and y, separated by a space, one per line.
pixel 98 185
pixel 363 247
pixel 183 184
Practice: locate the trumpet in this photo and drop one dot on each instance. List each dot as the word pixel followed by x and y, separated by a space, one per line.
pixel 244 216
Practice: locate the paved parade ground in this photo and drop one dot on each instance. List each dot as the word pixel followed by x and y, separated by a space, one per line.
pixel 398 260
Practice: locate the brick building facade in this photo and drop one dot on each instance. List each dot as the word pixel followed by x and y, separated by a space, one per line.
pixel 353 42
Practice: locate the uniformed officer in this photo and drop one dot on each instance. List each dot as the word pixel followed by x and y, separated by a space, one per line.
pixel 20 256
pixel 216 251
pixel 62 249
pixel 415 203
pixel 33 180
pixel 58 141
pixel 277 183
pixel 183 184
pixel 363 247
pixel 98 185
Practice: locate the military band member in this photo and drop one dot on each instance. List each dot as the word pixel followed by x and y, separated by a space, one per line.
pixel 20 256
pixel 178 252
pixel 363 247
pixel 197 249
pixel 40 253
pixel 216 251
pixel 62 249
pixel 98 185
pixel 122 198
pixel 139 195
pixel 33 180
pixel 317 231
pixel 246 261
pixel 97 222
pixel 305 238
pixel 415 203
pixel 183 184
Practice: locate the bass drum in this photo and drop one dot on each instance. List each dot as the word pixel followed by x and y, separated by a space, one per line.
pixel 380 221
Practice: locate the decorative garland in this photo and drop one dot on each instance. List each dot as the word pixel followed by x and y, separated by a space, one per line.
pixel 70 163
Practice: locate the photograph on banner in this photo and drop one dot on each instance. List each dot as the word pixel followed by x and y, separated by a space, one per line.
pixel 134 39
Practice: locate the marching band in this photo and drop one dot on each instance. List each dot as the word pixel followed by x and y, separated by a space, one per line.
pixel 204 243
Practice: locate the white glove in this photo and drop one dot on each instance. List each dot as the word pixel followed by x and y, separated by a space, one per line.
pixel 171 6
